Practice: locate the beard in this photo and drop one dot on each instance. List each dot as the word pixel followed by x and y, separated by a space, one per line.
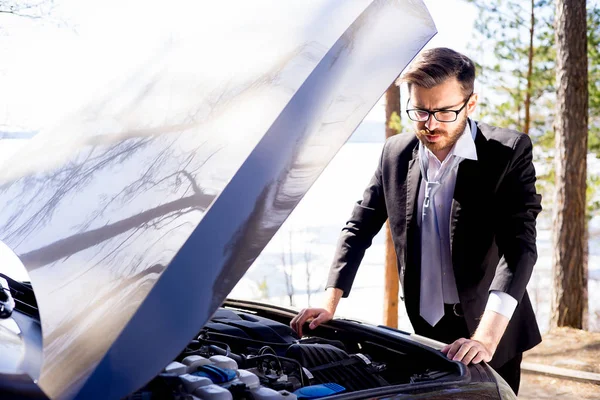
pixel 447 137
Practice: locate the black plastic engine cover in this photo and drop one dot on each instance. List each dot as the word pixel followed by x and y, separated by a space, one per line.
pixel 250 326
pixel 328 363
pixel 315 355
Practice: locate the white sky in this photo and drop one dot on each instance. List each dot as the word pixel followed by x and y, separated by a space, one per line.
pixel 454 21
pixel 47 70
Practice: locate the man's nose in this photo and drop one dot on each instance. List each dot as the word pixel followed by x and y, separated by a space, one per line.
pixel 431 123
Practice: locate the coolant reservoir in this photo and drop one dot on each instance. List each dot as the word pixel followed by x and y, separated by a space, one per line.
pixel 176 368
pixel 248 378
pixel 213 392
pixel 263 393
pixel 192 382
pixel 224 362
pixel 194 362
pixel 216 374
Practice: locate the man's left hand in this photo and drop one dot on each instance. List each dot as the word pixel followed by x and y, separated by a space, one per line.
pixel 467 351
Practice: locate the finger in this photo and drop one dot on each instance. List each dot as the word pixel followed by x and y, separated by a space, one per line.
pixel 462 352
pixel 478 358
pixel 445 349
pixel 301 318
pixel 323 317
pixel 474 351
pixel 486 355
pixel 295 323
pixel 454 347
pixel 304 316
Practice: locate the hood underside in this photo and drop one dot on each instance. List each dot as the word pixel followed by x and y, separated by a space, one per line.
pixel 161 191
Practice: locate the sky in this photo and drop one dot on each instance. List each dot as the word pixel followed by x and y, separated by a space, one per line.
pixel 454 22
pixel 49 68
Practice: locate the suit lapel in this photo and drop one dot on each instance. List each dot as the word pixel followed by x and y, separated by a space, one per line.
pixel 412 275
pixel 468 179
pixel 459 190
pixel 412 187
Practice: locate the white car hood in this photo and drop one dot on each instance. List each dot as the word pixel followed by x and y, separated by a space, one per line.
pixel 136 215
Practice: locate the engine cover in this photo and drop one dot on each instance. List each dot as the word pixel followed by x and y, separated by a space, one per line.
pixel 328 363
pixel 248 326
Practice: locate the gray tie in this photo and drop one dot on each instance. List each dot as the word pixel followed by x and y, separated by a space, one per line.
pixel 431 296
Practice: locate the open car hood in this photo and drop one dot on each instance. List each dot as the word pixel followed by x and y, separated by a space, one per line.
pixel 136 215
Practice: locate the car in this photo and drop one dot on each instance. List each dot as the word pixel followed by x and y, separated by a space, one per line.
pixel 344 358
pixel 252 341
pixel 134 216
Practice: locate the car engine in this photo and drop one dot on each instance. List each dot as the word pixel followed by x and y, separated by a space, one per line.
pixel 240 355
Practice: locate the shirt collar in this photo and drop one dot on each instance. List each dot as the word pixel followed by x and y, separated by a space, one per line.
pixel 464 146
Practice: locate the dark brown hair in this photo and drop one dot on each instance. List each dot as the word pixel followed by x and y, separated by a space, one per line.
pixel 434 66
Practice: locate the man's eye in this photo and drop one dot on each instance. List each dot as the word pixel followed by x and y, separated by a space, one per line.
pixel 445 115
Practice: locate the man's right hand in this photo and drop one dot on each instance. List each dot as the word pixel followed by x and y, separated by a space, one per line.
pixel 317 315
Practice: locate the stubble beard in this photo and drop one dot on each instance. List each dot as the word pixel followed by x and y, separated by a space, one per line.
pixel 448 138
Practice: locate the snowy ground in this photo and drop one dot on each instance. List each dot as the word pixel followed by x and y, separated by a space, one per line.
pixel 312 231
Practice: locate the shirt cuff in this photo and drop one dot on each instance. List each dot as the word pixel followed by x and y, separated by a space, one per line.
pixel 502 303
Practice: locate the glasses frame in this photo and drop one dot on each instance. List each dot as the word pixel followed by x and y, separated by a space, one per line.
pixel 433 112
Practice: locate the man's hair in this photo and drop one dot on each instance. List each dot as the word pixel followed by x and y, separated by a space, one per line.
pixel 434 66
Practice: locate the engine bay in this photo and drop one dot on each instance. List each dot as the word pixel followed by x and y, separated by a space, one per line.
pixel 242 355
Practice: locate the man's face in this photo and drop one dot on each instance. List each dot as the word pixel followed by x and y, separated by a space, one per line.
pixel 439 137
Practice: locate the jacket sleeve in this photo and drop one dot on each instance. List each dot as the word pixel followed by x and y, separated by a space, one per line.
pixel 368 216
pixel 518 206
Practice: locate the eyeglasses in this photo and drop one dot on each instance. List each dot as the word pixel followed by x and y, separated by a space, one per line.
pixel 420 115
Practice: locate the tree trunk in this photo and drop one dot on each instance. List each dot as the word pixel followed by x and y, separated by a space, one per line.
pixel 529 72
pixel 70 245
pixel 392 285
pixel 390 299
pixel 571 128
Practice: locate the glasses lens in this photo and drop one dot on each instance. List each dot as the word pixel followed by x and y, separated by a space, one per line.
pixel 418 115
pixel 445 116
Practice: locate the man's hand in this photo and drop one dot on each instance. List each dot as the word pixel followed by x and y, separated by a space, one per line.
pixel 467 351
pixel 318 316
pixel 483 344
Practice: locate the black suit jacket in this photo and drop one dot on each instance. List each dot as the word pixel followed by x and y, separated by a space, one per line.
pixel 492 229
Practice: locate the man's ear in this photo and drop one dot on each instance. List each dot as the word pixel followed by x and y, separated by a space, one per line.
pixel 472 103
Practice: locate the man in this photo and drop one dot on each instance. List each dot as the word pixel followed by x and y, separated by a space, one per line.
pixel 461 201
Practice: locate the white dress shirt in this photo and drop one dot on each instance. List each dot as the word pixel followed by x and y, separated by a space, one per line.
pixel 500 302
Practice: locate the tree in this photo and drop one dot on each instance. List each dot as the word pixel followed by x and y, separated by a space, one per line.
pixel 571 132
pixel 287 263
pixel 594 79
pixel 519 73
pixel 290 261
pixel 26 9
pixel 308 267
pixel 16 16
pixel 508 28
pixel 390 302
